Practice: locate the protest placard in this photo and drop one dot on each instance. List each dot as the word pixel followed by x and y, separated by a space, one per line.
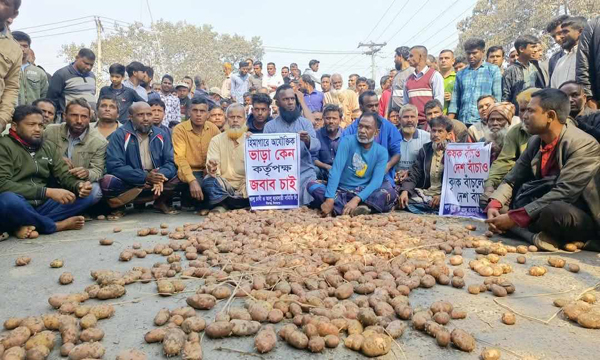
pixel 466 168
pixel 273 171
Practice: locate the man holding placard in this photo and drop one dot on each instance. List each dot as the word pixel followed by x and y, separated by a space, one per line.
pixel 356 183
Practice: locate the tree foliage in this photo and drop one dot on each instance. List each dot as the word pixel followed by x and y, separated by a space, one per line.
pixel 500 22
pixel 178 49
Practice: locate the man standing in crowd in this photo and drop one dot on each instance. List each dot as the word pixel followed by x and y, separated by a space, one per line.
pixel 136 73
pixel 261 113
pixel 564 69
pixel 149 84
pixel 184 101
pixel 446 68
pixel 172 106
pixel 421 191
pixel 225 183
pixel 10 64
pixel 107 110
pixel 190 146
pixel 158 115
pixel 329 137
pixel 272 80
pixel 83 148
pixel 256 79
pixel 588 62
pixel 325 83
pixel 362 85
pixel 562 208
pixel 190 85
pixel 388 135
pixel 290 120
pixel 585 118
pixel 413 139
pixel 125 95
pixel 357 175
pixel 554 29
pixel 312 97
pixel 139 164
pixel 48 110
pixel 226 86
pixel 295 72
pixel 240 83
pixel 34 82
pixel 480 78
pixel 217 117
pixel 29 205
pixel 404 71
pixel 386 93
pixel 423 84
pixel 313 72
pixel 344 98
pixel 525 72
pixel 460 63
pixel 285 74
pixel 352 82
pixel 495 56
pixel 75 80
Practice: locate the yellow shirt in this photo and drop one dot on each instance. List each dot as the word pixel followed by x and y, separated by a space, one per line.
pixel 348 100
pixel 190 149
pixel 230 157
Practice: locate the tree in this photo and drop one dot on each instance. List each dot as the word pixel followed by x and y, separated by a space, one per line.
pixel 177 49
pixel 500 22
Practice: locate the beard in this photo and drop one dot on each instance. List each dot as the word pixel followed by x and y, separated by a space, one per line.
pixel 439 146
pixel 144 129
pixel 496 138
pixel 398 66
pixel 409 130
pixel 234 133
pixel 290 116
pixel 365 141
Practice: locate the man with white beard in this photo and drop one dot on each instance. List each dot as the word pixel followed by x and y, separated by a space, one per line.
pixel 499 118
pixel 357 183
pixel 345 98
pixel 225 183
pixel 413 140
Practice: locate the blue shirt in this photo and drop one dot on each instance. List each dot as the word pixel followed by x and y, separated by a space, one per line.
pixel 239 86
pixel 389 137
pixel 469 86
pixel 356 167
pixel 314 100
pixel 329 146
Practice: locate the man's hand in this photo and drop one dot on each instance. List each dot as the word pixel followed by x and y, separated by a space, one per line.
pixel 403 202
pixel 305 137
pixel 80 173
pixel 157 189
pixel 500 223
pixel 61 196
pixel 351 205
pixel 212 166
pixel 447 96
pixel 300 97
pixel 85 188
pixel 401 176
pixel 196 190
pixel 327 207
pixel 69 162
pixel 435 202
pixel 154 177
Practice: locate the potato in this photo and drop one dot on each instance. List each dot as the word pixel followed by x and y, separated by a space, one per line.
pixel 310 330
pixel 91 335
pixel 193 324
pixel 327 328
pixel 498 290
pixel 571 247
pixel 131 354
pixel 537 271
pixel 69 333
pixel 201 301
pixel 165 287
pixel 221 292
pixel 367 317
pixel 590 320
pixel 143 232
pixel 275 316
pixel 14 353
pixel 51 321
pixel 574 268
pixel 87 351
pixel 111 291
pixel 427 281
pixel 244 327
pixel 16 337
pixel 12 323
pixel 521 259
pixel 354 342
pixel 106 242
pixel 560 302
pixel 192 350
pixel 376 345
pixel 556 262
pixel 37 353
pixel 458 314
pixel 258 312
pixel 458 282
pixel 218 329
pixel 125 255
pixel 44 338
pixel 473 289
pixel 117 229
pixel 88 321
pixel 316 344
pixel 155 335
pixel 173 341
pixel 66 348
pixel 297 339
pixel 102 311
pixel 162 317
pixel 265 340
pixel 462 340
pixel 587 297
pixel 455 260
pixel 509 318
pixel 354 327
pixel 441 318
pixel 490 354
pixel 395 329
pixel 57 263
pixel 22 261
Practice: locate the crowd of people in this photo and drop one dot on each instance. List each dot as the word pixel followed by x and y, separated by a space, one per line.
pixel 68 151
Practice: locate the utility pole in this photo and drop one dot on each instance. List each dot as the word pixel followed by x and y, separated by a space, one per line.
pixel 373 49
pixel 99 30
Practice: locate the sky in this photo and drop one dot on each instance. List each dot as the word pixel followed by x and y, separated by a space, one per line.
pixel 328 31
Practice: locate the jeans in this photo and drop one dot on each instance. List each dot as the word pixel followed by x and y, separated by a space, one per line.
pixel 219 192
pixel 381 200
pixel 15 212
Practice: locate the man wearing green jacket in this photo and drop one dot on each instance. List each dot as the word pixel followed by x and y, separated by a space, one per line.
pixel 33 83
pixel 27 163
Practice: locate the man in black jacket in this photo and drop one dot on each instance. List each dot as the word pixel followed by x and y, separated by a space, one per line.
pixel 586 119
pixel 421 191
pixel 554 29
pixel 588 62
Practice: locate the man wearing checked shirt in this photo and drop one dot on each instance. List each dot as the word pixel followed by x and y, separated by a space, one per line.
pixel 480 78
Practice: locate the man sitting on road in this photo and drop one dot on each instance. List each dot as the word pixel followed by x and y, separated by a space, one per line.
pixel 413 140
pixel 499 117
pixel 139 164
pixel 28 206
pixel 357 183
pixel 329 136
pixel 550 197
pixel 107 109
pixel 82 147
pixel 420 192
pixel 225 183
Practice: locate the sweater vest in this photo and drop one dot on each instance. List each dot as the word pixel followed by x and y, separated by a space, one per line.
pixel 420 92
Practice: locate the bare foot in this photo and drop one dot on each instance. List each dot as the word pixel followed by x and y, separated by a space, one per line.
pixel 24 232
pixel 164 208
pixel 72 223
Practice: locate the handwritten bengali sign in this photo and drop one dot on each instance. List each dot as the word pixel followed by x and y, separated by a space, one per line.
pixel 466 168
pixel 273 171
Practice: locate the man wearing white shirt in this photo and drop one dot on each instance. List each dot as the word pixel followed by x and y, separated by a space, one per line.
pixel 564 70
pixel 272 80
pixel 136 73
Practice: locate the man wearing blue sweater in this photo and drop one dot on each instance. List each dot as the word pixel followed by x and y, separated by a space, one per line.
pixel 356 183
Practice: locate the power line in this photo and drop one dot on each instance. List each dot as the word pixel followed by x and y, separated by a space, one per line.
pixel 452 21
pixel 63 33
pixel 445 39
pixel 307 51
pixel 409 20
pixel 382 16
pixel 60 27
pixel 55 23
pixel 432 21
pixel 392 21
